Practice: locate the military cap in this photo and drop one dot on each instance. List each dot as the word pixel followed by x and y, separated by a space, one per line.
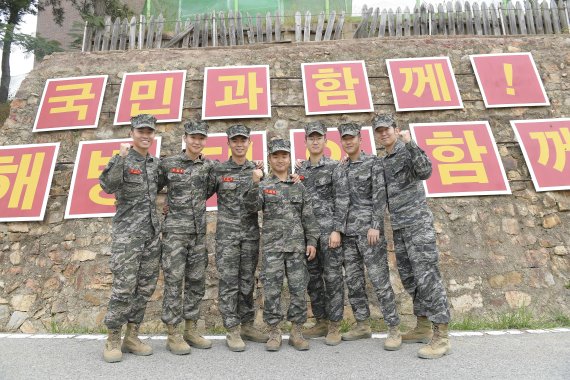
pixel 143 121
pixel 315 126
pixel 277 145
pixel 196 127
pixel 383 121
pixel 238 130
pixel 352 129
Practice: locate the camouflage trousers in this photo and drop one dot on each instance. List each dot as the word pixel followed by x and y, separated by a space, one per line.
pixel 135 267
pixel 277 265
pixel 326 286
pixel 236 261
pixel 417 257
pixel 184 262
pixel 357 254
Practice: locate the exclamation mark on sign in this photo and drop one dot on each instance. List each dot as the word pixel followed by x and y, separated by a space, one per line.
pixel 508 68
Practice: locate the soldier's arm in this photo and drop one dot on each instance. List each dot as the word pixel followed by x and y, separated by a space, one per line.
pixel 421 164
pixel 378 195
pixel 310 225
pixel 111 179
pixel 253 197
pixel 341 198
pixel 211 181
pixel 162 175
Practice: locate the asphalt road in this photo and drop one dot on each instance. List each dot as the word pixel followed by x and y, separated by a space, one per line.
pixel 498 355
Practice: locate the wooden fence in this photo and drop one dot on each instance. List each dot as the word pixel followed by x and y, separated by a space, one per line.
pixel 219 29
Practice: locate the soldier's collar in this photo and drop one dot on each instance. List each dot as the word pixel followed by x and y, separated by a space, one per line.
pixel 275 179
pixel 321 162
pixel 185 157
pixel 397 146
pixel 360 159
pixel 246 164
pixel 137 156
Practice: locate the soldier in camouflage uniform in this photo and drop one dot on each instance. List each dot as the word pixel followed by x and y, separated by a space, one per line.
pixel 290 233
pixel 362 244
pixel 184 256
pixel 133 176
pixel 401 173
pixel 237 242
pixel 326 285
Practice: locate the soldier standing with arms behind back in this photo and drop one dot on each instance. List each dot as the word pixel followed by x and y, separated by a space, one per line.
pixel 133 176
pixel 402 171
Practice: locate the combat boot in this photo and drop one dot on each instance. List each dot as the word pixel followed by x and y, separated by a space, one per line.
pixel 274 341
pixel 319 329
pixel 361 331
pixel 296 338
pixel 422 333
pixel 249 332
pixel 175 343
pixel 112 352
pixel 439 344
pixel 393 341
pixel 333 337
pixel 233 339
pixel 192 337
pixel 132 343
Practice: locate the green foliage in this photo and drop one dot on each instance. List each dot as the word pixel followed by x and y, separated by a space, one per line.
pixel 519 319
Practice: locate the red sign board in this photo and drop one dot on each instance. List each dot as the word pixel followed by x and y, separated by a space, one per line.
pixel 546 148
pixel 70 103
pixel 336 87
pixel 465 159
pixel 26 172
pixel 236 92
pixel 423 84
pixel 156 93
pixel 509 80
pixel 86 199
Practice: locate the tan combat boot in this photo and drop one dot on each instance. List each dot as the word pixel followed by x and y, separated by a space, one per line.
pixel 233 339
pixel 439 344
pixel 296 338
pixel 274 341
pixel 249 332
pixel 175 343
pixel 422 333
pixel 319 329
pixel 132 343
pixel 193 338
pixel 361 331
pixel 112 352
pixel 393 341
pixel 333 336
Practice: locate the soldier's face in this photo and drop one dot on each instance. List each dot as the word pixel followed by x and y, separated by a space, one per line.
pixel 239 146
pixel 280 162
pixel 142 137
pixel 387 135
pixel 351 144
pixel 315 143
pixel 195 143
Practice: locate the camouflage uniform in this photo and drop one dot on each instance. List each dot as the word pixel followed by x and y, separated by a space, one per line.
pixel 288 227
pixel 412 222
pixel 326 286
pixel 237 239
pixel 357 180
pixel 135 252
pixel 184 256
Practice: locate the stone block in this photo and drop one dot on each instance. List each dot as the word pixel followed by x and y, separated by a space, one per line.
pixel 509 279
pixel 510 226
pixel 18 227
pixel 467 302
pixel 550 221
pixel 23 302
pixel 560 250
pixel 83 255
pixel 16 320
pixel 517 299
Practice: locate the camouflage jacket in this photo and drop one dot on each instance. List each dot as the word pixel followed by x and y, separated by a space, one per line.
pixel 230 182
pixel 134 180
pixel 289 224
pixel 320 185
pixel 401 184
pixel 357 195
pixel 189 186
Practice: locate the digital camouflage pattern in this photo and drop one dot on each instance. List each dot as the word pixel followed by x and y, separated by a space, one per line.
pixel 289 226
pixel 135 251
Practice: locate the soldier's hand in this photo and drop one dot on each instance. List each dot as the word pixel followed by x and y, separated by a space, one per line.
pixel 165 209
pixel 373 236
pixel 124 149
pixel 334 239
pixel 257 175
pixel 258 164
pixel 295 177
pixel 298 163
pixel 405 136
pixel 311 252
pixel 344 160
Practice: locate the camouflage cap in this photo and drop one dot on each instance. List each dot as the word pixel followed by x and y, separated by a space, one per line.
pixel 352 129
pixel 196 127
pixel 383 121
pixel 277 145
pixel 143 121
pixel 315 126
pixel 238 130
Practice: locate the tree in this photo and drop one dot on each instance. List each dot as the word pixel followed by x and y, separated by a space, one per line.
pixel 11 15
